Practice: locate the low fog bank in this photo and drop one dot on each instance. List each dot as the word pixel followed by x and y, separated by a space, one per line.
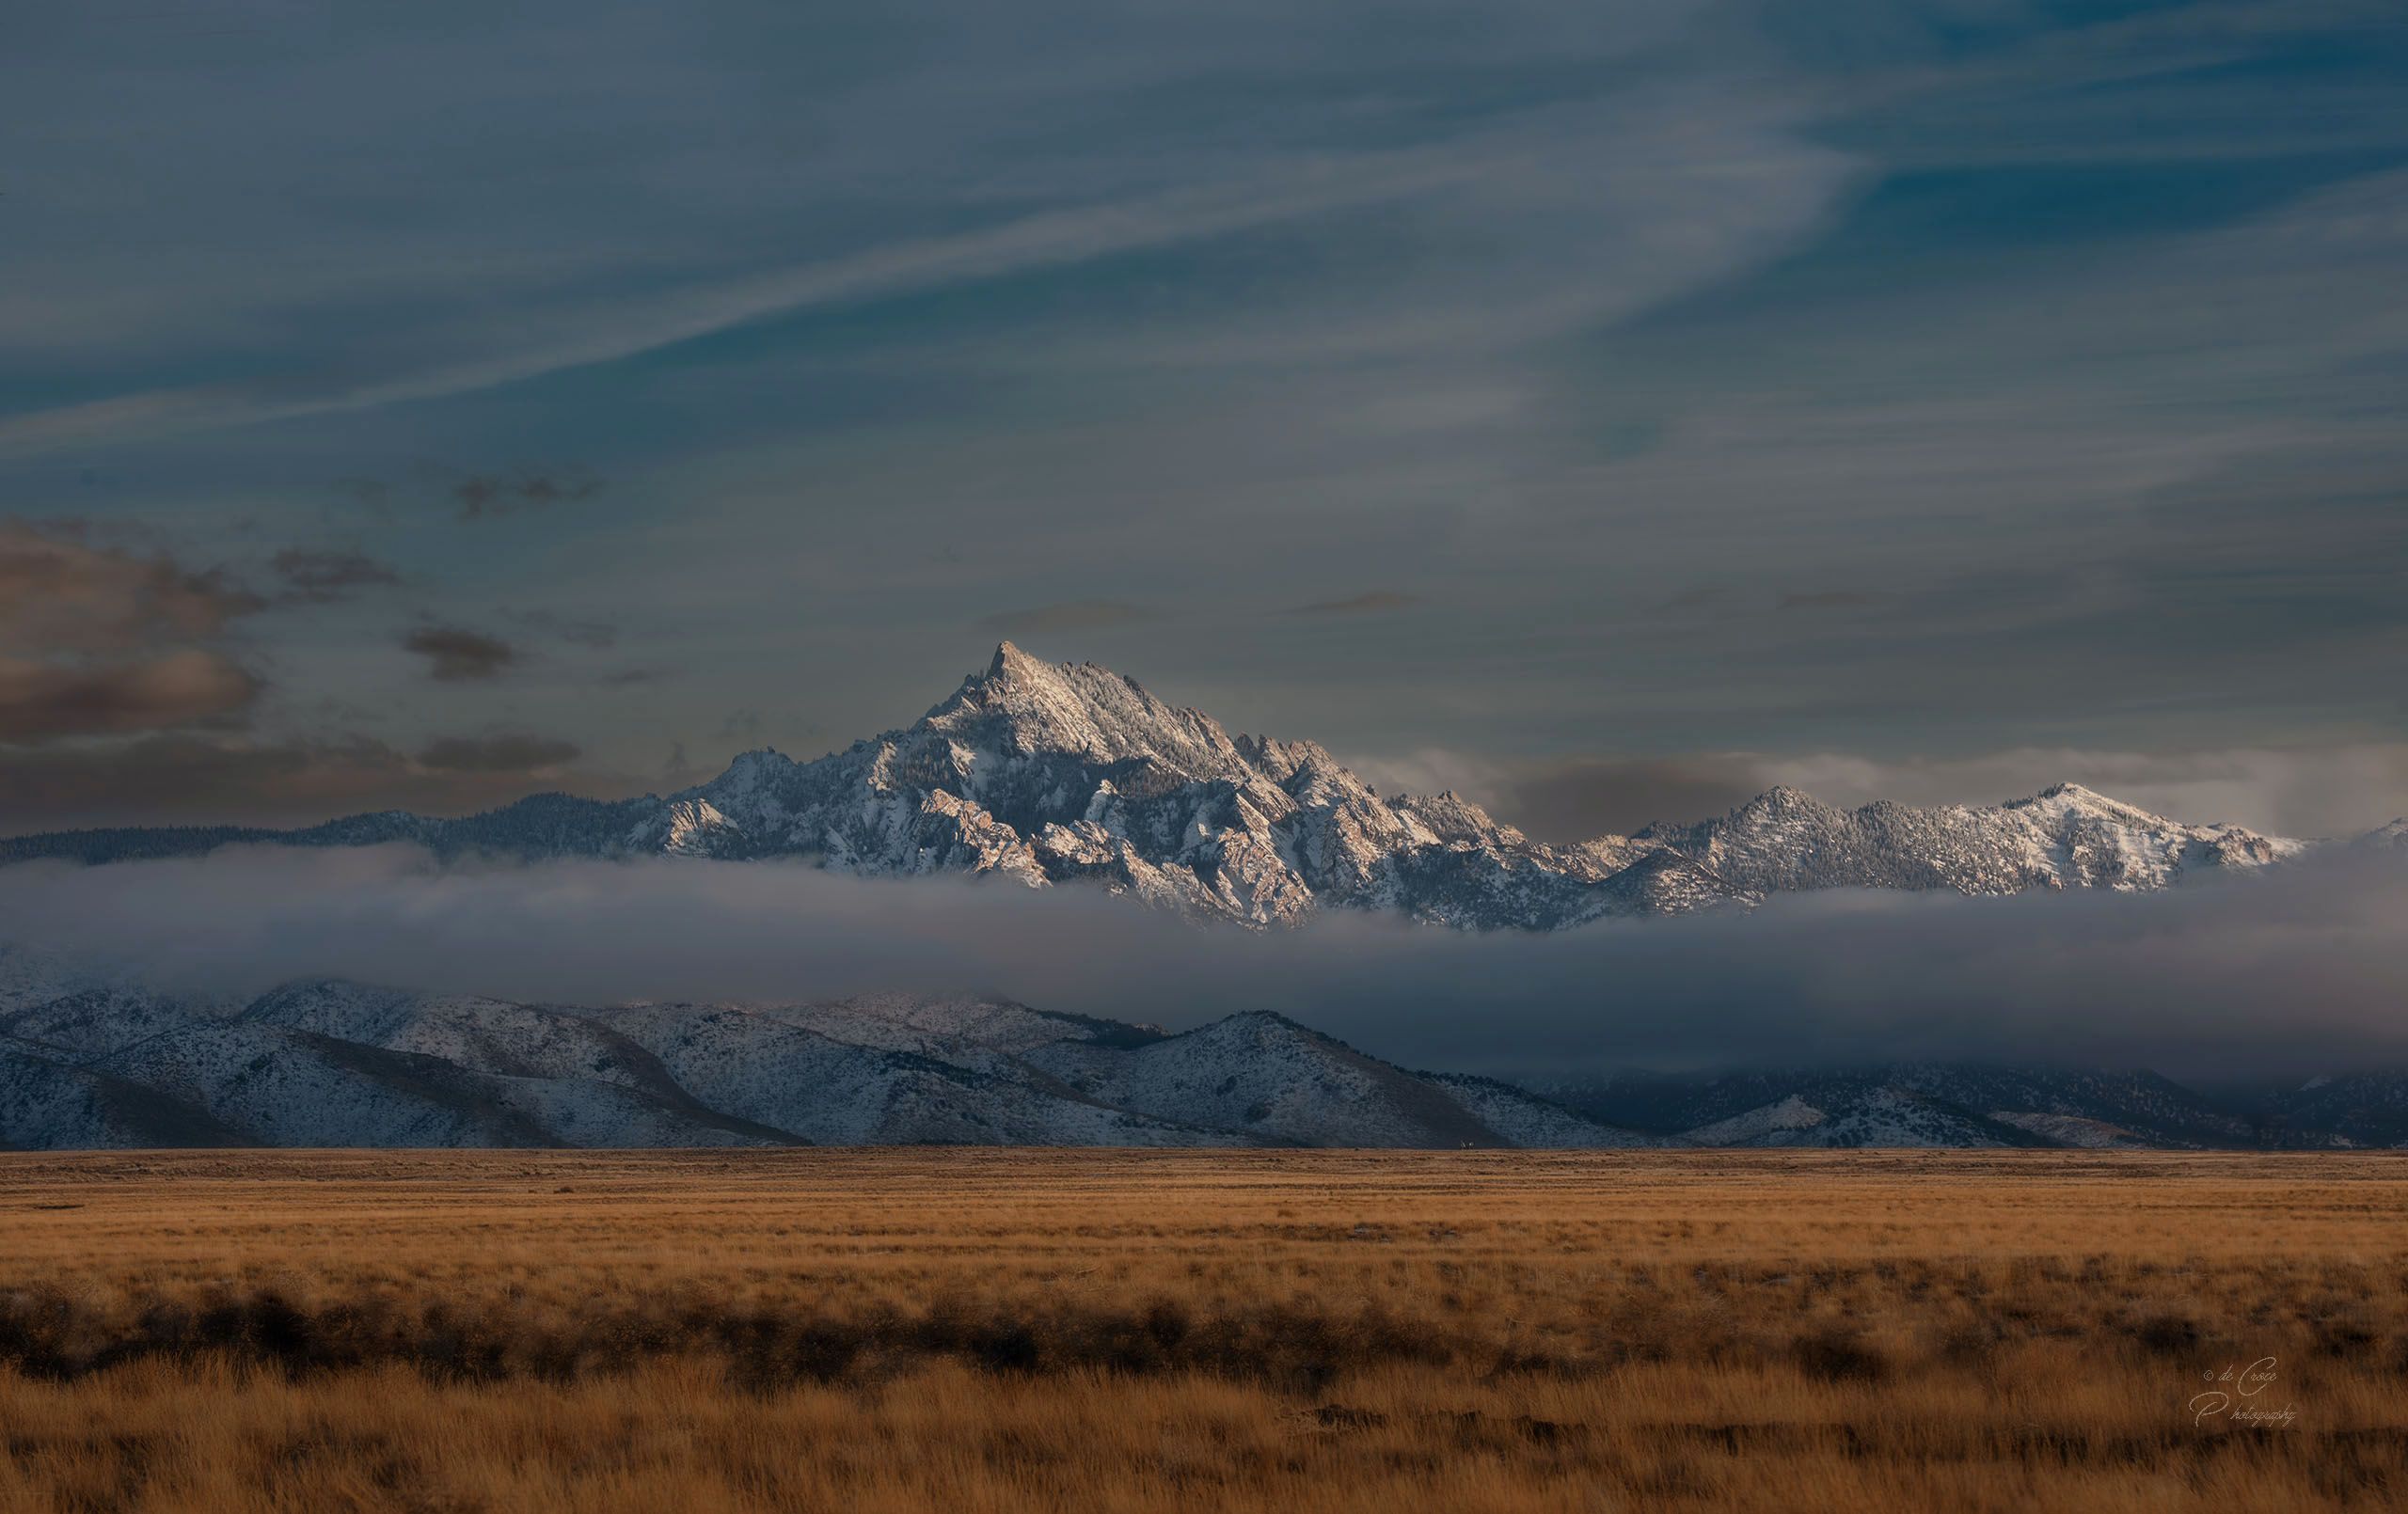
pixel 2295 970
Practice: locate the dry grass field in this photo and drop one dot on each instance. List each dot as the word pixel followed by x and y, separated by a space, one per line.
pixel 999 1331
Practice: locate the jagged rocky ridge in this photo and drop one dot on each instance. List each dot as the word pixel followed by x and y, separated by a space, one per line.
pixel 1052 774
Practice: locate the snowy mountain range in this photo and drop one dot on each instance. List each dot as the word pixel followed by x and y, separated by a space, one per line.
pixel 1052 774
pixel 1935 1104
pixel 85 1063
pixel 333 1063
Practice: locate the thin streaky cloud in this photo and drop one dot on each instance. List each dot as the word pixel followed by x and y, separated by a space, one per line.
pixel 1051 239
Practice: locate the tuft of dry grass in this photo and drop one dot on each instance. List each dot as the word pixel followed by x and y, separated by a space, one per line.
pixel 1010 1329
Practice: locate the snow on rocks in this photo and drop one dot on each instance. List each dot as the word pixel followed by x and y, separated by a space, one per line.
pixel 1050 774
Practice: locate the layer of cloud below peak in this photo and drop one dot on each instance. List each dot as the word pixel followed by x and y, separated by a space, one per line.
pixel 2295 970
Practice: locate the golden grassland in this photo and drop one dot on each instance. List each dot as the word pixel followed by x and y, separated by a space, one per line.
pixel 1002 1330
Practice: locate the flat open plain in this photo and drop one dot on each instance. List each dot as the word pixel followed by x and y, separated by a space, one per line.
pixel 1004 1330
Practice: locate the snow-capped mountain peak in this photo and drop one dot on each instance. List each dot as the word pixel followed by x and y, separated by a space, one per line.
pixel 2391 835
pixel 1056 773
pixel 2073 799
pixel 1022 706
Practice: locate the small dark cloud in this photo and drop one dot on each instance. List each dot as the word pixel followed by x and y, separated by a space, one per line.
pixel 473 497
pixel 632 677
pixel 45 700
pixel 741 725
pixel 456 655
pixel 96 641
pixel 58 593
pixel 1069 615
pixel 1372 602
pixel 325 575
pixel 506 752
pixel 1836 599
pixel 490 495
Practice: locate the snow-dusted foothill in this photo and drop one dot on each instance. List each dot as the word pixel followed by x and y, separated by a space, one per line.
pixel 334 1064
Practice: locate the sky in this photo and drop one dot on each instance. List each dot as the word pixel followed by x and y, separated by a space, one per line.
pixel 1605 410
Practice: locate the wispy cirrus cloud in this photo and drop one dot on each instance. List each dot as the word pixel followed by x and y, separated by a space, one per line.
pixel 560 340
pixel 2075 332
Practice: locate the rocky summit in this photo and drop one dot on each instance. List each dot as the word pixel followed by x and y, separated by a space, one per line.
pixel 1058 774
